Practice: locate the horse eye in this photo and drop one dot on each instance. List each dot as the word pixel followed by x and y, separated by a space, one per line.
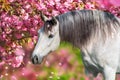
pixel 50 36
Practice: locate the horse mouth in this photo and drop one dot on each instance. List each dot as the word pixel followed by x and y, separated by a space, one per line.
pixel 38 59
pixel 50 51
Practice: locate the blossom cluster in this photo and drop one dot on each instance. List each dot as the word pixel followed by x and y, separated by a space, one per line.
pixel 20 21
pixel 16 26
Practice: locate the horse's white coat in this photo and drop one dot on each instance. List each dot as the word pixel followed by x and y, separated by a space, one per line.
pixel 98 55
pixel 103 57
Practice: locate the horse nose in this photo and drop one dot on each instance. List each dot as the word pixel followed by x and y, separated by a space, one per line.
pixel 35 59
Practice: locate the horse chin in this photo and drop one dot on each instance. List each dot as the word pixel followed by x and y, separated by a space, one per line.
pixel 43 59
pixel 40 59
pixel 50 51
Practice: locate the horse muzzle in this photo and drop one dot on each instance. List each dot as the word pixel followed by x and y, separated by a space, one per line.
pixel 36 59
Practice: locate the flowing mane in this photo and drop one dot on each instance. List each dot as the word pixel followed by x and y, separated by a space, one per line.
pixel 80 26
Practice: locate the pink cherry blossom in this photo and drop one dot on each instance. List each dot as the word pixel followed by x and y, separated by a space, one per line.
pixel 89 5
pixel 23 11
pixel 116 3
pixel 55 12
pixel 11 0
pixel 25 16
pixel 104 3
pixel 16 61
pixel 41 6
pixel 1 64
pixel 57 1
pixel 13 78
pixel 19 52
pixel 18 35
pixel 2 49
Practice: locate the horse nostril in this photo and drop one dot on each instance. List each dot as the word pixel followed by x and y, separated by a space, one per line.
pixel 35 59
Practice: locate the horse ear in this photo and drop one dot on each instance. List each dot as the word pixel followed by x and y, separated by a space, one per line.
pixel 43 17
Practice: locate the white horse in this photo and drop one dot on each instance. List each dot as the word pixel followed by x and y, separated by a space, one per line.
pixel 95 32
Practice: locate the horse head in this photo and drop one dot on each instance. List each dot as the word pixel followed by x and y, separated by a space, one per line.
pixel 48 39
